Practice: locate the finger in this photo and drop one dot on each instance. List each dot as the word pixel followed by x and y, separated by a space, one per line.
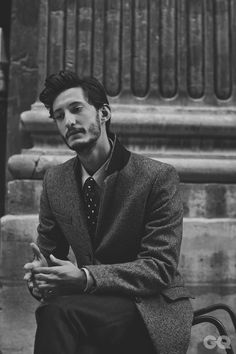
pixel 39 283
pixel 30 284
pixel 44 277
pixel 29 266
pixel 47 270
pixel 44 270
pixel 37 292
pixel 36 250
pixel 46 286
pixel 57 260
pixel 27 276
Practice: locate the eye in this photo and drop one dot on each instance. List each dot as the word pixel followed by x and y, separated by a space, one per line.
pixel 76 109
pixel 58 115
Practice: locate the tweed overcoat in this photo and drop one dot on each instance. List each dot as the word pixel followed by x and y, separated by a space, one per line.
pixel 137 242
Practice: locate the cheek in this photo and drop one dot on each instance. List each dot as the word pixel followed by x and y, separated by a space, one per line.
pixel 95 127
pixel 61 127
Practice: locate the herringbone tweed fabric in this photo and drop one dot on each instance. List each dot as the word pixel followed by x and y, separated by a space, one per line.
pixel 137 241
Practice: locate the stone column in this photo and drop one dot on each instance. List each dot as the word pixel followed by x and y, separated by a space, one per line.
pixel 167 67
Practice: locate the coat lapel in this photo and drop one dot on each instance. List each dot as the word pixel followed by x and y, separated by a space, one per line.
pixel 119 159
pixel 80 239
pixel 105 203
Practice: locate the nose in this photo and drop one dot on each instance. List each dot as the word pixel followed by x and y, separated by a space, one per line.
pixel 69 119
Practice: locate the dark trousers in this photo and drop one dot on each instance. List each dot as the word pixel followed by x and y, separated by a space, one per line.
pixel 111 323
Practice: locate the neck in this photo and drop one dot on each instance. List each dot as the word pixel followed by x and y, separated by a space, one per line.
pixel 96 156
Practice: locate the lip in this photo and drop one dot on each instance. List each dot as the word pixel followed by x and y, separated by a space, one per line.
pixel 74 132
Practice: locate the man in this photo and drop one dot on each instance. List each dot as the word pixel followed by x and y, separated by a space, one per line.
pixel 121 214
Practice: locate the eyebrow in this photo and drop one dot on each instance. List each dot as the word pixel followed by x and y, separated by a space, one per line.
pixel 75 103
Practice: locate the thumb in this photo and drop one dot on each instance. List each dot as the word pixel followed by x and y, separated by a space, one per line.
pixel 57 260
pixel 36 250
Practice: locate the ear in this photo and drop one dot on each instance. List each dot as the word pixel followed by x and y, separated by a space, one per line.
pixel 105 113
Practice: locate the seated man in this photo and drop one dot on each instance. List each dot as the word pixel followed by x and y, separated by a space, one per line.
pixel 121 214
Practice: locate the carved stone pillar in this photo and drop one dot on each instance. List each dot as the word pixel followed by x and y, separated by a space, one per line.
pixel 151 50
pixel 168 68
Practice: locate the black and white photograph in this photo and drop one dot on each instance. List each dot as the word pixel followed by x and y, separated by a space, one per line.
pixel 118 177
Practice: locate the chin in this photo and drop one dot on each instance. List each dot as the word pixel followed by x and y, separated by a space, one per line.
pixel 80 145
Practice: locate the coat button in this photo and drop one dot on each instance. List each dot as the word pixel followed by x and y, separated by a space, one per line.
pixel 137 299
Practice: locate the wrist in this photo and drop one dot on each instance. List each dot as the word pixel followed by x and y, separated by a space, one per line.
pixel 90 283
pixel 84 279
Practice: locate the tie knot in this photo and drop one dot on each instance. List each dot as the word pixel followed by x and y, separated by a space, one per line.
pixel 89 183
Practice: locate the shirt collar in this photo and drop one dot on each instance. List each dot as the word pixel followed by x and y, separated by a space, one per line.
pixel 100 174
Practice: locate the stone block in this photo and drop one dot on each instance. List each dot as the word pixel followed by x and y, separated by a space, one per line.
pixel 209 200
pixel 143 122
pixel 199 200
pixel 33 165
pixel 17 321
pixel 17 318
pixel 213 168
pixel 207 262
pixel 23 196
pixel 16 233
pixel 208 253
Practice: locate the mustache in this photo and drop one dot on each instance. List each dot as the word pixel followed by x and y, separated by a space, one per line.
pixel 72 131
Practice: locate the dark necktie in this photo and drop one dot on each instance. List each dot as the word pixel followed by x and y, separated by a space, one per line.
pixel 91 200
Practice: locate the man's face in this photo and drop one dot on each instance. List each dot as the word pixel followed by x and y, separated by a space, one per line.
pixel 77 120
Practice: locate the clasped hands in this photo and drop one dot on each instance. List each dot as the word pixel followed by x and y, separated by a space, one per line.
pixel 44 281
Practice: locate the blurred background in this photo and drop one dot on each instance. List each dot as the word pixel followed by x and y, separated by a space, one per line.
pixel 169 69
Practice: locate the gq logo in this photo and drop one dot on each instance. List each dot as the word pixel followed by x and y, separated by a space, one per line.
pixel 222 342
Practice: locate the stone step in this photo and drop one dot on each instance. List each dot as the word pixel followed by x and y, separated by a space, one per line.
pixel 149 126
pixel 200 200
pixel 208 251
pixel 16 233
pixel 192 167
pixel 207 262
pixel 17 321
pixel 18 326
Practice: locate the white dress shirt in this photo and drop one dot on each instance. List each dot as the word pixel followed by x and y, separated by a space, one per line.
pixel 98 176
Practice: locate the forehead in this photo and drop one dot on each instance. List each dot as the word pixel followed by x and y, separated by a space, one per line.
pixel 74 94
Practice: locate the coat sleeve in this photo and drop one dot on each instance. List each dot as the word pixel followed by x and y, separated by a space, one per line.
pixel 157 260
pixel 50 237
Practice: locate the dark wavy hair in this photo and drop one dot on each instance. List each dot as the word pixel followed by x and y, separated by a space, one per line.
pixel 56 83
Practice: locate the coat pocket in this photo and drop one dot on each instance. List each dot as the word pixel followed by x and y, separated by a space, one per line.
pixel 176 293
